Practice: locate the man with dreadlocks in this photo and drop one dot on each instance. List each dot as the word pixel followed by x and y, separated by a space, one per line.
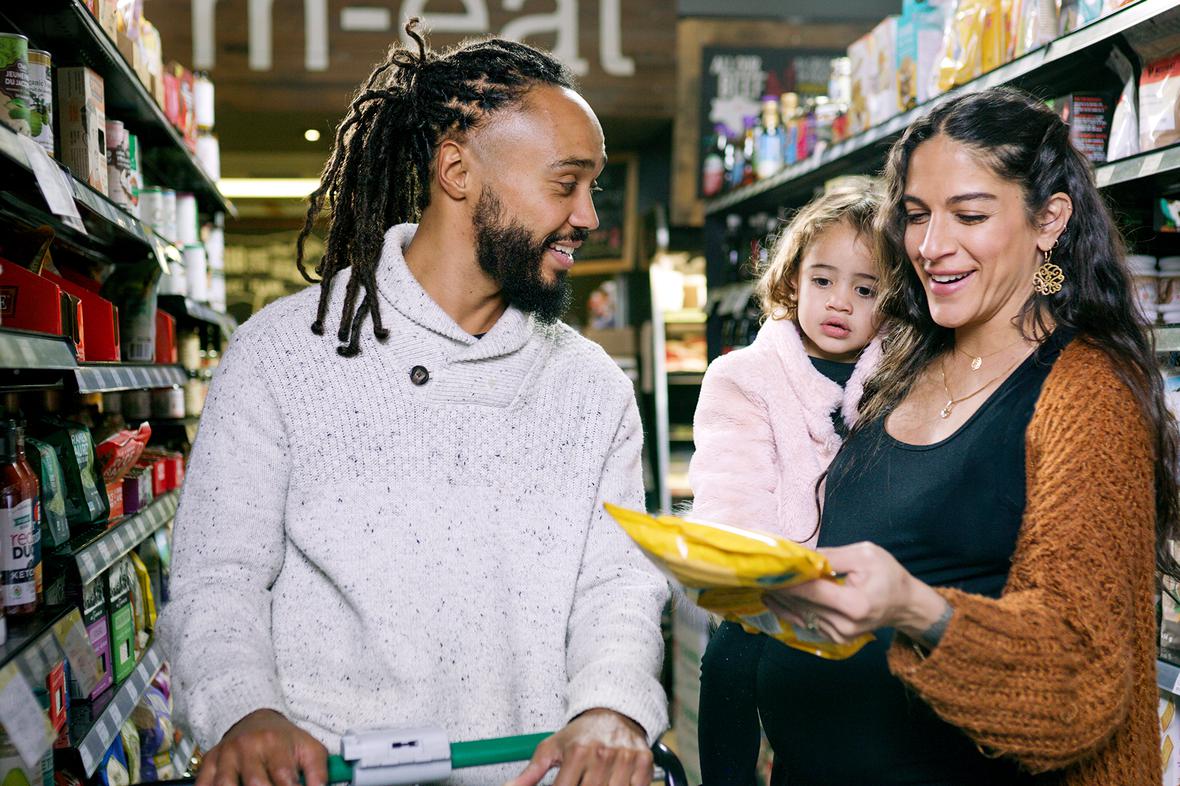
pixel 407 528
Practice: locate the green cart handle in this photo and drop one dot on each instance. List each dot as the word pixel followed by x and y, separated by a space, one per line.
pixel 478 753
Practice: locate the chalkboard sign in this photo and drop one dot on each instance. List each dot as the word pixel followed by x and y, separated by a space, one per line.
pixel 610 246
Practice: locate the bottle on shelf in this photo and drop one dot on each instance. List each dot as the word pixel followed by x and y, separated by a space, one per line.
pixel 769 140
pixel 734 256
pixel 713 166
pixel 33 489
pixel 18 568
pixel 789 106
pixel 749 152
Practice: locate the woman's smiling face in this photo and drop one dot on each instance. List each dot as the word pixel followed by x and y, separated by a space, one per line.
pixel 968 236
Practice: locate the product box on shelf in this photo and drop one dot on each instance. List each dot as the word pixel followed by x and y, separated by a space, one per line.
pixel 117 585
pixel 860 55
pixel 94 617
pixel 157 470
pixel 1088 117
pixel 172 475
pixel 165 338
pixel 107 13
pixel 81 112
pixel 883 102
pixel 137 490
pixel 29 301
pixel 1159 103
pixel 115 499
pixel 919 39
pixel 100 320
pixel 58 701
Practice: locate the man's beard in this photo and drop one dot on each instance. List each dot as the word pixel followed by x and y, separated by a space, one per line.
pixel 508 253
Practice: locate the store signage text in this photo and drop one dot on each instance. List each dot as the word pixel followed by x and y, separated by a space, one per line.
pixel 561 22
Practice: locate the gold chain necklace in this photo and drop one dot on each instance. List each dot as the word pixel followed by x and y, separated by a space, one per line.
pixel 977 360
pixel 951 401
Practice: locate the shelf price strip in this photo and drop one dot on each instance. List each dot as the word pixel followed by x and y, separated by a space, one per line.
pixel 94 559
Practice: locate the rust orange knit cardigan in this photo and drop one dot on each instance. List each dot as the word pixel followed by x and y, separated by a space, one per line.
pixel 1059 672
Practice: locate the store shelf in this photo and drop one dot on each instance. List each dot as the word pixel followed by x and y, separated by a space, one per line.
pixel 72 35
pixel 186 308
pixel 692 378
pixel 109 228
pixel 1167 339
pixel 113 377
pixel 687 316
pixel 182 755
pixel 866 151
pixel 96 554
pixel 1167 677
pixel 33 643
pixel 1160 167
pixel 98 739
pixel 33 359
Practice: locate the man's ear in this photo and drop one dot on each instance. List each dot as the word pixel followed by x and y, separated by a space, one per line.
pixel 452 168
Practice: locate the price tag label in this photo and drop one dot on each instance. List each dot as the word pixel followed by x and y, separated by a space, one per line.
pixel 75 643
pixel 54 185
pixel 25 723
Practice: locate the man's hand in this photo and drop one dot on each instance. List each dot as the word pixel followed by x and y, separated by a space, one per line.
pixel 265 749
pixel 598 748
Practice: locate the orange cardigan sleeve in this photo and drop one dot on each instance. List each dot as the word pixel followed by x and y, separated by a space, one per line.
pixel 1044 674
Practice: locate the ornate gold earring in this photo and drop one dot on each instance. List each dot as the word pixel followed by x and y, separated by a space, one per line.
pixel 1049 277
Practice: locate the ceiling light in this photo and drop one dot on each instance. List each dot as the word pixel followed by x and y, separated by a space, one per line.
pixel 311 135
pixel 267 187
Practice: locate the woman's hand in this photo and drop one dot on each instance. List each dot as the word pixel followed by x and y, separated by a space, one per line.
pixel 877 592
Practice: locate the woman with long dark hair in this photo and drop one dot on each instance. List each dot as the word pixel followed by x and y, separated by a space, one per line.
pixel 1009 488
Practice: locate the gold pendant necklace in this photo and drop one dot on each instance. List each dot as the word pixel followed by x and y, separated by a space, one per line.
pixel 951 401
pixel 977 360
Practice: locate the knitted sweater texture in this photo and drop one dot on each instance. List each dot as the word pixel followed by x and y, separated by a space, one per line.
pixel 357 550
pixel 1059 672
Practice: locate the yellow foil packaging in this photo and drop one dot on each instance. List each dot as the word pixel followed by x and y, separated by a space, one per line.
pixel 726 570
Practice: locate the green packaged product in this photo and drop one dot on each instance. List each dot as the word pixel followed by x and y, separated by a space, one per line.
pixel 55 525
pixel 86 498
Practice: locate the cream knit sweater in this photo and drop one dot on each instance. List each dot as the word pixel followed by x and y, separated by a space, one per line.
pixel 359 551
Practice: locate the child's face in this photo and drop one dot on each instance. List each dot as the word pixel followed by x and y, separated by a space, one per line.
pixel 837 291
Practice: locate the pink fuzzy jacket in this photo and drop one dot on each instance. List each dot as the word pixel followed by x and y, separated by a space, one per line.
pixel 764 434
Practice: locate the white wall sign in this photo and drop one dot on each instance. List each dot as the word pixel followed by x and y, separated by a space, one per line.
pixel 561 22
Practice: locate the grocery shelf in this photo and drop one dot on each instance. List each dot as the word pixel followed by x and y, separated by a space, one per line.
pixel 1161 167
pixel 33 644
pixel 1167 677
pixel 113 377
pixel 865 152
pixel 686 377
pixel 96 554
pixel 1167 339
pixel 73 36
pixel 184 307
pixel 182 754
pixel 34 359
pixel 102 733
pixel 108 226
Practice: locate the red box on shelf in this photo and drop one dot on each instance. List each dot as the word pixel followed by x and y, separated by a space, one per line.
pixel 158 470
pixel 166 339
pixel 28 301
pixel 115 497
pixel 173 472
pixel 55 683
pixel 100 321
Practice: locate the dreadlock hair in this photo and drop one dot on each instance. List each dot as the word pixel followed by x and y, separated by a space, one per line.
pixel 378 174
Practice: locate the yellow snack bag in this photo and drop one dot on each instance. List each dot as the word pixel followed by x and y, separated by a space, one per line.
pixel 726 570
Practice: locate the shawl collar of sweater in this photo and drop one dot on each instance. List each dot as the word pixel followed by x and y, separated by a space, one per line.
pixel 398 286
pixel 818 394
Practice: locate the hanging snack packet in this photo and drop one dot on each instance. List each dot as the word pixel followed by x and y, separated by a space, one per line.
pixel 86 499
pixel 974 42
pixel 55 527
pixel 726 570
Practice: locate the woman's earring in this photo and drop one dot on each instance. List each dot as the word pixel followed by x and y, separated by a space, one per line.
pixel 1049 277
